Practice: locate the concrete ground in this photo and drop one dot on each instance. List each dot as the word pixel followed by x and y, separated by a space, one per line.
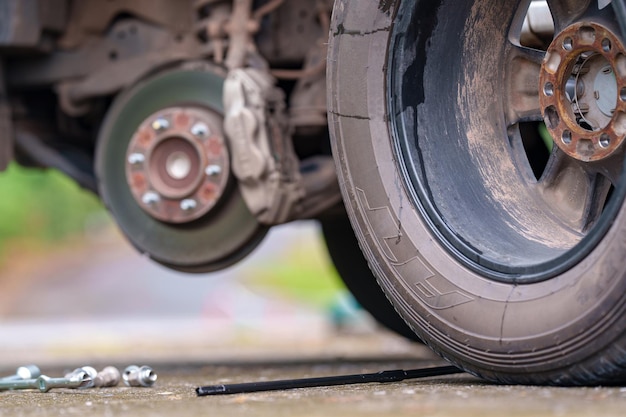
pixel 174 394
pixel 101 304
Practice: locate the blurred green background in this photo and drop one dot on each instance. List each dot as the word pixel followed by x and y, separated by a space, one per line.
pixel 42 212
pixel 41 207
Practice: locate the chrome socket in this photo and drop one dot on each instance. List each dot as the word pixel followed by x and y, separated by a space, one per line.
pixel 90 371
pixel 110 376
pixel 135 376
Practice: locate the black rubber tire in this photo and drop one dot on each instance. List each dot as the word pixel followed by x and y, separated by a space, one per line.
pixel 355 273
pixel 569 329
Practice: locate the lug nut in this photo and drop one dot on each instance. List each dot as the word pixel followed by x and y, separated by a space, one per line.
pixel 160 124
pixel 78 373
pixel 136 158
pixel 91 371
pixel 150 198
pixel 188 204
pixel 108 377
pixel 135 376
pixel 213 170
pixel 200 130
pixel 23 372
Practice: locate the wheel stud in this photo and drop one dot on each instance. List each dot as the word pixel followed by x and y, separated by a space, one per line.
pixel 200 130
pixel 160 124
pixel 188 204
pixel 150 198
pixel 136 158
pixel 213 170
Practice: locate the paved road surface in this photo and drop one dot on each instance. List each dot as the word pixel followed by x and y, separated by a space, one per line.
pixel 174 395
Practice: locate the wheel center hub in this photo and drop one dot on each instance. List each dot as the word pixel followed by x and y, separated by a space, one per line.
pixel 583 91
pixel 177 164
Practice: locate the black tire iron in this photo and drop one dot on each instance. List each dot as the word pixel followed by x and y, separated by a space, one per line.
pixel 286 384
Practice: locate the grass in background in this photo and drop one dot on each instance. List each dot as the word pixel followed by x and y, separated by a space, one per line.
pixel 305 274
pixel 43 209
pixel 40 206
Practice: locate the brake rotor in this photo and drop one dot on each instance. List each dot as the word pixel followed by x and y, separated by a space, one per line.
pixel 163 168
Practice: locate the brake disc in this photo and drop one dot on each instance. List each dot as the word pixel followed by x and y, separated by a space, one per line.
pixel 163 167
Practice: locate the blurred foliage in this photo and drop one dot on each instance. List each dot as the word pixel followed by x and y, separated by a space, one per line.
pixel 40 208
pixel 41 205
pixel 546 136
pixel 306 273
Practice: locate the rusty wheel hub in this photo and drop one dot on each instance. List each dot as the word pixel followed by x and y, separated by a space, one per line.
pixel 583 91
pixel 177 164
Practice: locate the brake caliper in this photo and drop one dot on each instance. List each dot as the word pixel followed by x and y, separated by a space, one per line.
pixel 263 158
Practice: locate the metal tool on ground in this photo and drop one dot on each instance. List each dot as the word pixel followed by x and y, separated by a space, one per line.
pixel 23 372
pixel 381 377
pixel 110 376
pixel 44 383
pixel 135 376
pixel 89 370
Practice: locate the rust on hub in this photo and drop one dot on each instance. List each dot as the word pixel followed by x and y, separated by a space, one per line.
pixel 582 91
pixel 167 167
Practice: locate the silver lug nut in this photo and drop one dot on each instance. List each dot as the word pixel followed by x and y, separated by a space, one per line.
pixel 135 376
pixel 23 372
pixel 78 373
pixel 213 170
pixel 188 204
pixel 160 124
pixel 136 158
pixel 200 130
pixel 108 377
pixel 91 371
pixel 150 198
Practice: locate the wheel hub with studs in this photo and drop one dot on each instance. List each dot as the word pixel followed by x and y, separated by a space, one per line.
pixel 177 164
pixel 583 91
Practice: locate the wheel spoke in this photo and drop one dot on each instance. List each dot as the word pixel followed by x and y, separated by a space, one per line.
pixel 605 174
pixel 577 191
pixel 522 81
pixel 611 168
pixel 596 199
pixel 564 12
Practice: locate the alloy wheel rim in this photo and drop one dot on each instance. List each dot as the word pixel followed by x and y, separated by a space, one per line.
pixel 594 185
